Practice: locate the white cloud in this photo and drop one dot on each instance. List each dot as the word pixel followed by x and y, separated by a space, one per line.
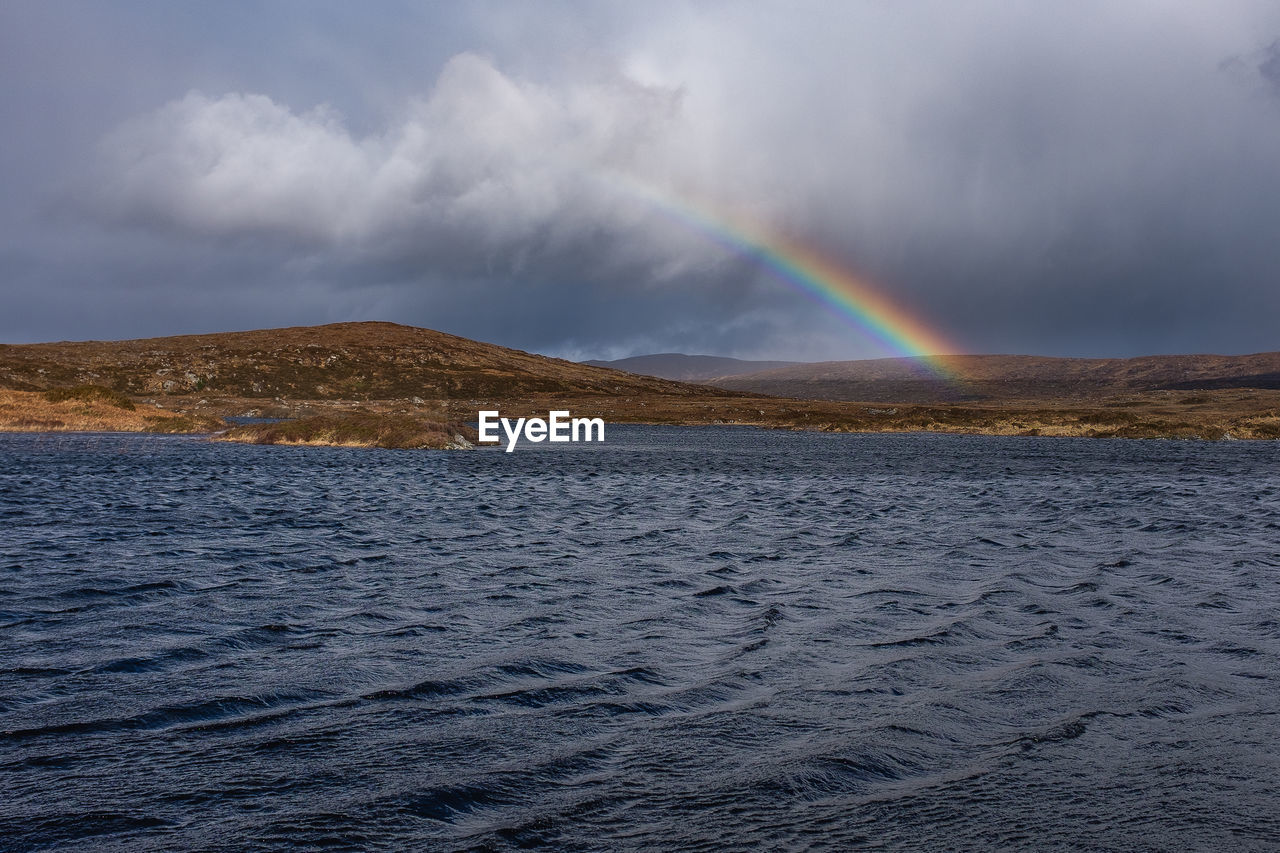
pixel 486 169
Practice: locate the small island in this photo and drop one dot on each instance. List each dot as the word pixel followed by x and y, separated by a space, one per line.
pixel 361 428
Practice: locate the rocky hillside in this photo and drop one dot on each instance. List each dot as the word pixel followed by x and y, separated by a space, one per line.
pixel 350 361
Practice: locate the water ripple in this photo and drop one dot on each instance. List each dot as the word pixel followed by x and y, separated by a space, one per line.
pixel 697 639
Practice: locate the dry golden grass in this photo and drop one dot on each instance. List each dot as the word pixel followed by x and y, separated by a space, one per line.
pixel 33 411
pixel 1211 415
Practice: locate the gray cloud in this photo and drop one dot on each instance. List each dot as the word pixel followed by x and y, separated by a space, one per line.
pixel 1269 66
pixel 486 176
pixel 1097 179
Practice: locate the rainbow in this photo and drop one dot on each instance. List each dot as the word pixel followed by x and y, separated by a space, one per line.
pixel 816 276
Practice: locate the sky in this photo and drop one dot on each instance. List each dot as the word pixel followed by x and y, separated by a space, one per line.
pixel 1070 179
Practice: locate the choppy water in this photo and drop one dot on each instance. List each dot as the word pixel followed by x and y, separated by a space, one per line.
pixel 697 639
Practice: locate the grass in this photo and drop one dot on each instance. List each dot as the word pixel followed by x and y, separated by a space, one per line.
pixel 92 410
pixel 1235 414
pixel 90 394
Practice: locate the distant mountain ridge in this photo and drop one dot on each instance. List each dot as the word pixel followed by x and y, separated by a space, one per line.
pixel 1008 377
pixel 963 378
pixel 689 368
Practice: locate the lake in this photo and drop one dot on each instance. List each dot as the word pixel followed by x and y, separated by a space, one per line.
pixel 684 638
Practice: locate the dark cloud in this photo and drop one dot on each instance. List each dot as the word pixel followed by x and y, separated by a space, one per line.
pixel 1269 67
pixel 1098 179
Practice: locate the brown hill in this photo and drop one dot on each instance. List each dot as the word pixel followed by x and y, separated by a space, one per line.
pixel 386 384
pixel 348 361
pixel 1008 377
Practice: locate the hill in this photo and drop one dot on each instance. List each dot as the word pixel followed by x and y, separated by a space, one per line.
pixel 689 368
pixel 399 386
pixel 341 361
pixel 1005 378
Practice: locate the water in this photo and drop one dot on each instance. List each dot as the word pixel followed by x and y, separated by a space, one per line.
pixel 694 639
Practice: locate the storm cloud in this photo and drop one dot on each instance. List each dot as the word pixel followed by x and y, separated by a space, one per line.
pixel 481 173
pixel 1092 180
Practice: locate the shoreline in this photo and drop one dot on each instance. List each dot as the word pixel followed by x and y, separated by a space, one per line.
pixel 220 434
pixel 1239 414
